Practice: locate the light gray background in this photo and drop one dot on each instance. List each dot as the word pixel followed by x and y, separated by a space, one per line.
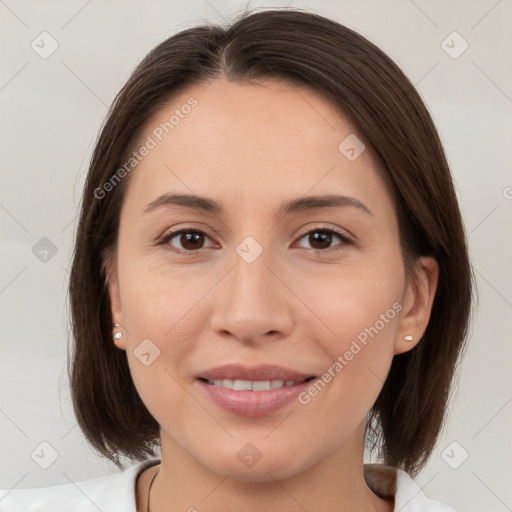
pixel 52 110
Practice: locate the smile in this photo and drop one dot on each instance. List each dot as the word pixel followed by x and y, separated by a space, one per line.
pixel 252 391
pixel 254 385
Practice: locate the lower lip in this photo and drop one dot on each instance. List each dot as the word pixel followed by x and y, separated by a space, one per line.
pixel 253 403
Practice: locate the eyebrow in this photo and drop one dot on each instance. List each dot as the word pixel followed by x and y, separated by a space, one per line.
pixel 205 204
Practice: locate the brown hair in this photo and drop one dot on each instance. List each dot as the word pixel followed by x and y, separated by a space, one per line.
pixel 383 105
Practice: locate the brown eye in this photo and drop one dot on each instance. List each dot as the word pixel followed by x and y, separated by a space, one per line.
pixel 321 239
pixel 189 240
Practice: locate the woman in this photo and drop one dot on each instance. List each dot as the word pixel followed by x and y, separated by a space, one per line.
pixel 270 274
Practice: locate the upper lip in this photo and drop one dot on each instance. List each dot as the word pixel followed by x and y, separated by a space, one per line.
pixel 262 372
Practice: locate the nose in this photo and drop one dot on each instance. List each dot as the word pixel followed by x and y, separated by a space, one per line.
pixel 253 304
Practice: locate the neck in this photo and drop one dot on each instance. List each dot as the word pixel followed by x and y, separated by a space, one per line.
pixel 334 483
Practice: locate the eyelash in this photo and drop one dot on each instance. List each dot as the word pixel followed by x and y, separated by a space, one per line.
pixel 345 240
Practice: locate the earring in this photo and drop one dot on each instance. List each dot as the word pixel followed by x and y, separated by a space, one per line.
pixel 408 338
pixel 117 335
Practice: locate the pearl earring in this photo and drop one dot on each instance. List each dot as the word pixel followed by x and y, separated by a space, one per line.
pixel 408 338
pixel 117 335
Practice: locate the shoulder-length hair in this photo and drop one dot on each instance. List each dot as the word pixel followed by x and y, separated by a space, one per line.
pixel 366 85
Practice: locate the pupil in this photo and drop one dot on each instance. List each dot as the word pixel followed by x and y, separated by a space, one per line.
pixel 321 236
pixel 192 238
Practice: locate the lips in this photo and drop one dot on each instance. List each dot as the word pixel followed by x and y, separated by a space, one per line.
pixel 252 391
pixel 255 373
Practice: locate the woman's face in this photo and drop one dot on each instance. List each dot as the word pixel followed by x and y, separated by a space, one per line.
pixel 253 291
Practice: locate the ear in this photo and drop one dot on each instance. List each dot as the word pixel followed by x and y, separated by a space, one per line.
pixel 417 304
pixel 112 282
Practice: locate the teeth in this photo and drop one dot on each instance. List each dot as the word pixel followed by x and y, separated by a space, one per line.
pixel 242 385
pixel 252 385
pixel 261 385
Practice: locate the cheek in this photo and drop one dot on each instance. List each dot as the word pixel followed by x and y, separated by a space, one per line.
pixel 158 314
pixel 160 319
pixel 158 298
pixel 163 304
pixel 360 312
pixel 353 300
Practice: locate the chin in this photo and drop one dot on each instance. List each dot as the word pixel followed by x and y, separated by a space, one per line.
pixel 261 472
pixel 249 464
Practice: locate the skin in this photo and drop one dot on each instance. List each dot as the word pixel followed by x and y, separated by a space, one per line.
pixel 250 147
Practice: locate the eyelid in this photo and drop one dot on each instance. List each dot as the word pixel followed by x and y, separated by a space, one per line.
pixel 173 232
pixel 343 234
pixel 179 228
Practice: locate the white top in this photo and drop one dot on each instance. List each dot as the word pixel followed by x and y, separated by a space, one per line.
pixel 116 493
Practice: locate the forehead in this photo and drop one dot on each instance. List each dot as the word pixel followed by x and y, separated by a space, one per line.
pixel 268 140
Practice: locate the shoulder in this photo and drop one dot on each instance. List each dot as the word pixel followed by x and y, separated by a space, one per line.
pixel 111 493
pixel 393 483
pixel 410 498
